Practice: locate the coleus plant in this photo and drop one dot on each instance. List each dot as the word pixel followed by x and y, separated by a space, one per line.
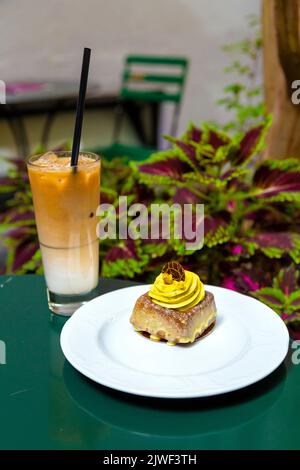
pixel 252 210
pixel 252 215
pixel 284 294
pixel 18 234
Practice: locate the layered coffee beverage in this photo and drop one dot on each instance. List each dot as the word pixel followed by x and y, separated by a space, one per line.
pixel 65 200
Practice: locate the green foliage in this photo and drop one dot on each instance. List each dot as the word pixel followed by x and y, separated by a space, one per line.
pixel 284 295
pixel 250 235
pixel 243 98
pixel 251 222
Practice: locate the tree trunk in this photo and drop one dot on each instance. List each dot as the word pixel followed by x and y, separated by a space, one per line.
pixel 281 36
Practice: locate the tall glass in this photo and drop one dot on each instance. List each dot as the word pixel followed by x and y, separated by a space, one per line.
pixel 65 202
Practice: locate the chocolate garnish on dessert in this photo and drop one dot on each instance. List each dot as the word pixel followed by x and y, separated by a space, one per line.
pixel 174 269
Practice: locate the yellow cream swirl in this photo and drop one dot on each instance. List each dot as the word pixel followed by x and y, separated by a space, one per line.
pixel 177 294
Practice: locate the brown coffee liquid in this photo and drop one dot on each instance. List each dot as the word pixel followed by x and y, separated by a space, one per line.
pixel 65 204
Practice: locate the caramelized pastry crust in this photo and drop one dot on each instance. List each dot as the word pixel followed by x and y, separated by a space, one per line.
pixel 173 325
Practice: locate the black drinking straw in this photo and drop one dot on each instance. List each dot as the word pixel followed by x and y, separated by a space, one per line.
pixel 80 106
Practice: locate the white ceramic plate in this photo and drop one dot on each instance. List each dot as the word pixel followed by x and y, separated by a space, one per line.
pixel 248 342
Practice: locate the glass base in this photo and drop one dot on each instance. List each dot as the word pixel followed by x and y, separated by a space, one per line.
pixel 67 304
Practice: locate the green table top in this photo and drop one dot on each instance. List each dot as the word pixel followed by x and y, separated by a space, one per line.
pixel 46 404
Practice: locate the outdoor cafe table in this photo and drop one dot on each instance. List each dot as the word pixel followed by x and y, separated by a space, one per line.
pixel 53 97
pixel 46 404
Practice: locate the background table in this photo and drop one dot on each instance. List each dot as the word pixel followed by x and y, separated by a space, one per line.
pixel 54 97
pixel 46 404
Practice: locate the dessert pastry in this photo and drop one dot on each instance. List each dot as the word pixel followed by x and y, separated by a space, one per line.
pixel 176 308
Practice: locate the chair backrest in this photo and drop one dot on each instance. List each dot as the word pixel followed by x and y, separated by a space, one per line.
pixel 154 78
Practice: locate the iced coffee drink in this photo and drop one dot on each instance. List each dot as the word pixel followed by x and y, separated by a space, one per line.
pixel 65 202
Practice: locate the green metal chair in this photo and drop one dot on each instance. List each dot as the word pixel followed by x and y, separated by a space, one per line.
pixel 142 85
